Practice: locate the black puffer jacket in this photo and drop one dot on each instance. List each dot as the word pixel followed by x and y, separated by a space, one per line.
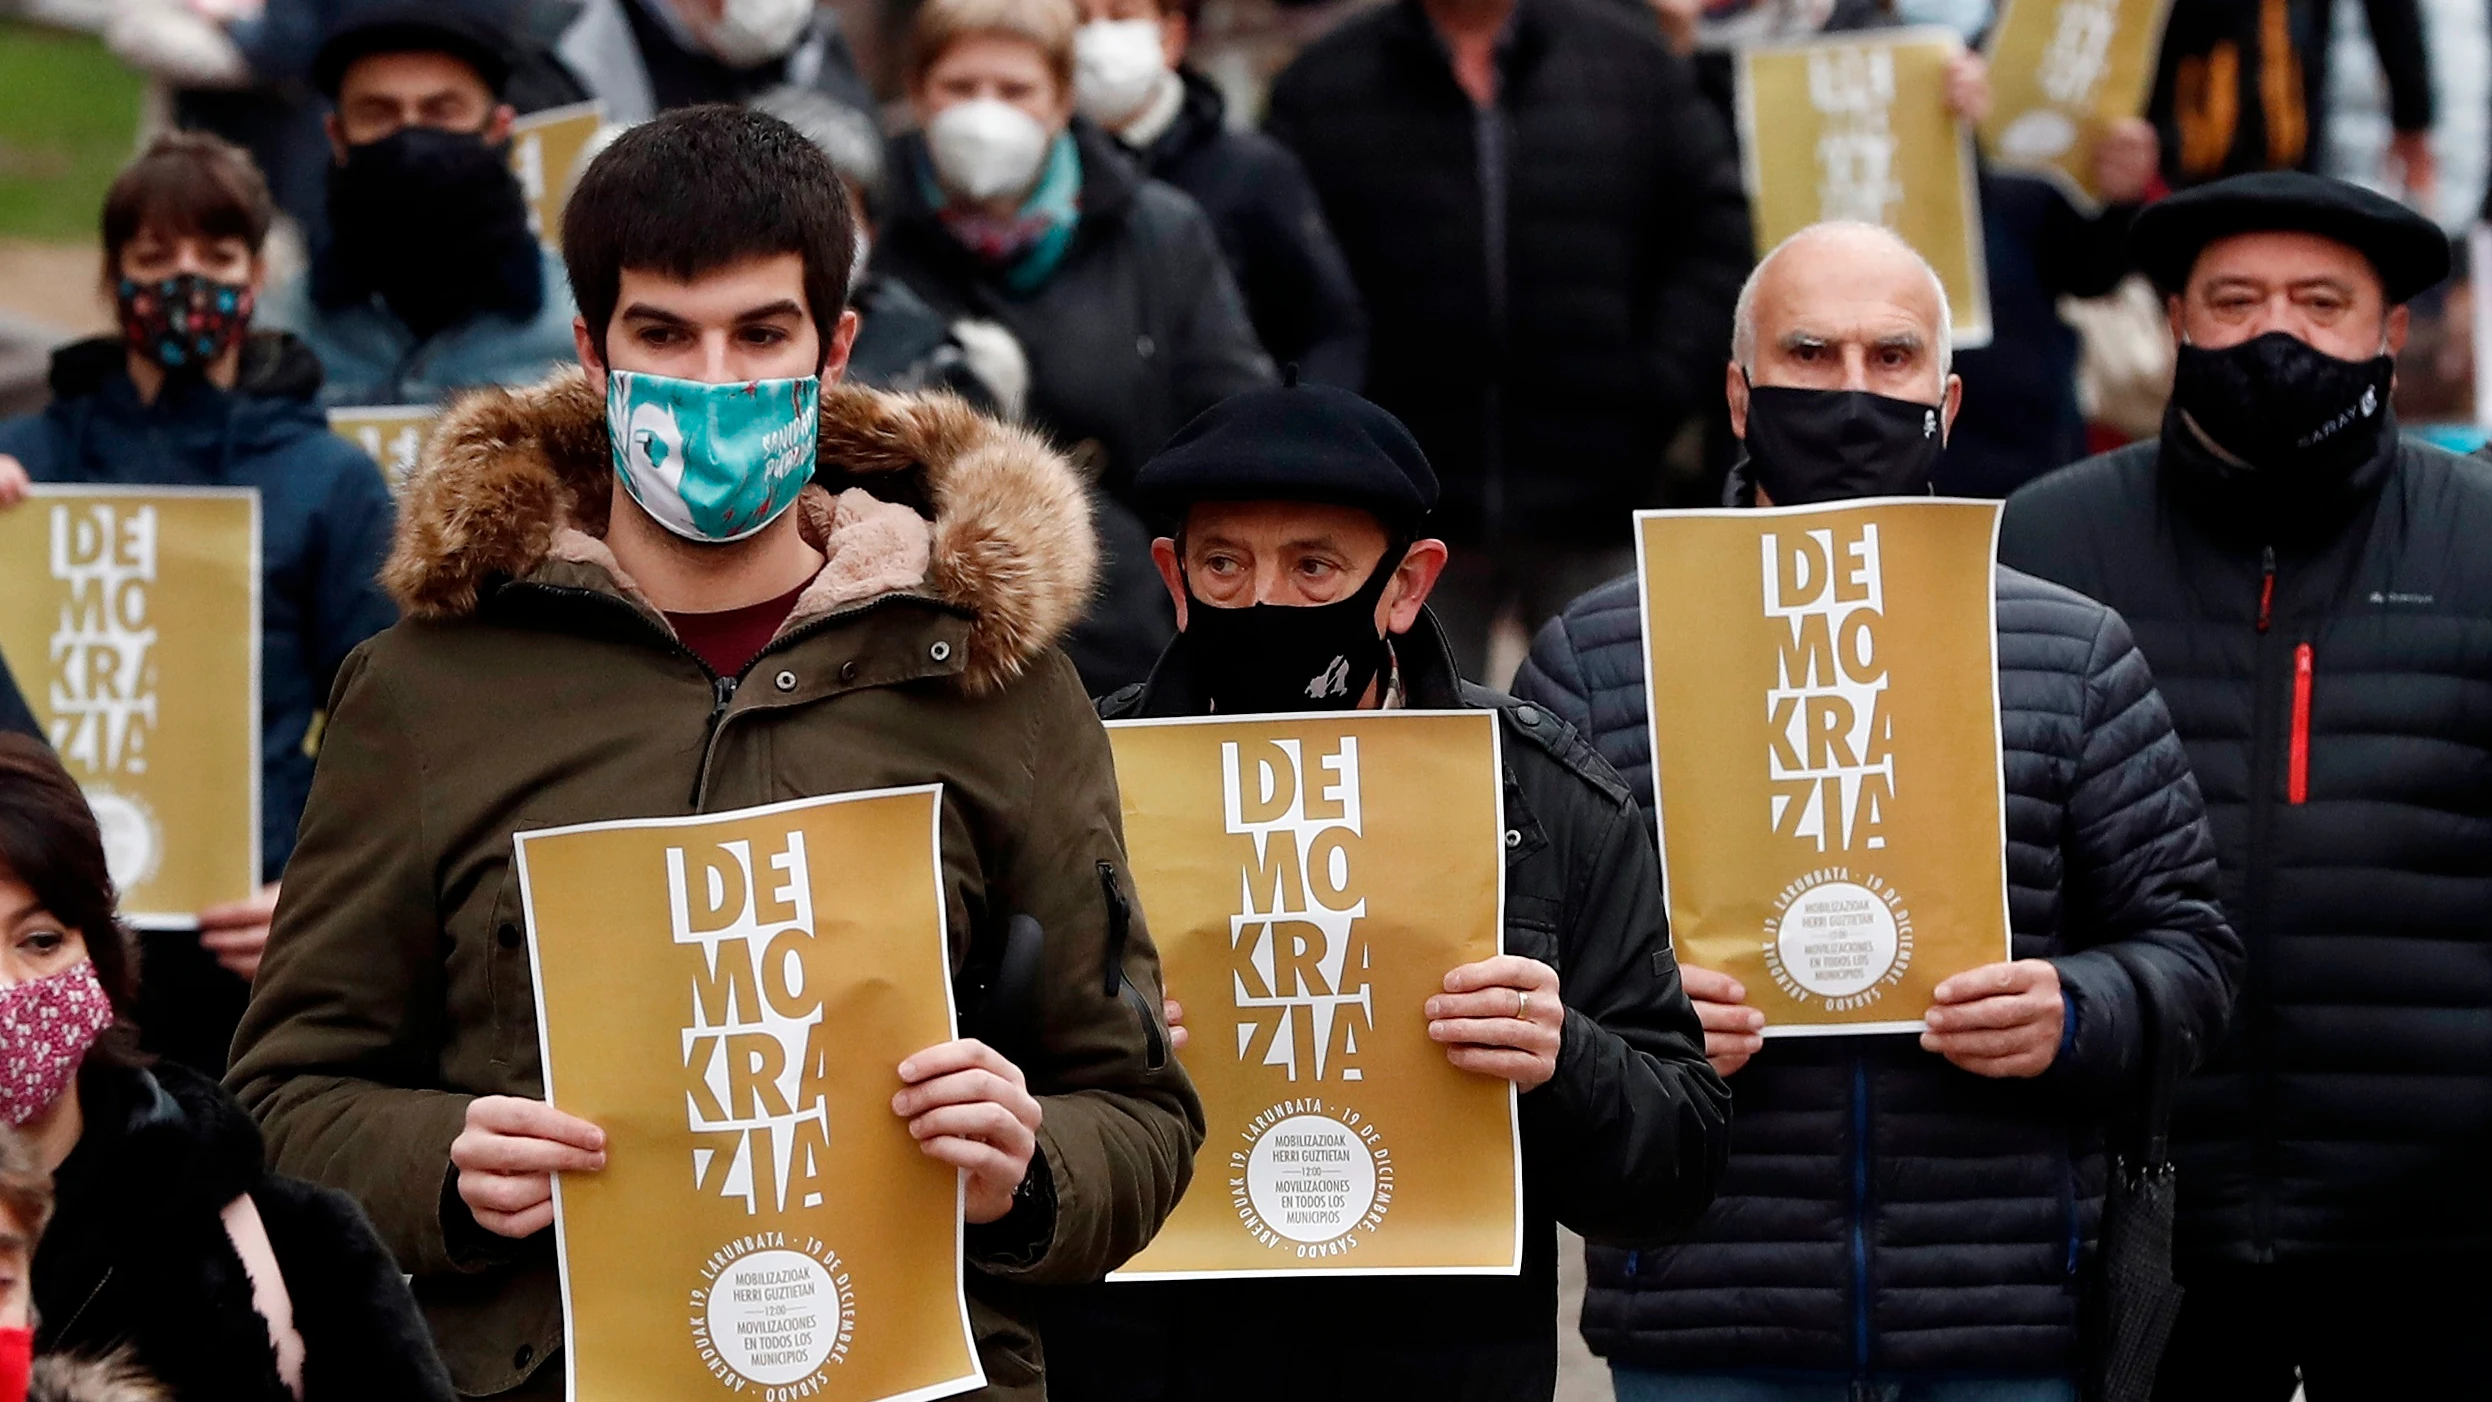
pixel 1884 1211
pixel 1296 283
pixel 2351 1108
pixel 1543 348
pixel 137 1257
pixel 1624 1142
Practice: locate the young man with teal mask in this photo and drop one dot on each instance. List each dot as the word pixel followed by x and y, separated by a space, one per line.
pixel 802 588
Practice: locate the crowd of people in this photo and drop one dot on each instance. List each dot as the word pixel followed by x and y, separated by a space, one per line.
pixel 1127 408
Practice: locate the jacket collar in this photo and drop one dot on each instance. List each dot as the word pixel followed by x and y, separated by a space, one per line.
pixel 2242 503
pixel 914 495
pixel 1525 36
pixel 1202 114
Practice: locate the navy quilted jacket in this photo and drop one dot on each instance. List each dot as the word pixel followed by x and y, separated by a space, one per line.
pixel 1884 1212
pixel 2343 730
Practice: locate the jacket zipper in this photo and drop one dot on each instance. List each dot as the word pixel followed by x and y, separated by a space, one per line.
pixel 2259 1024
pixel 1860 1215
pixel 2297 761
pixel 722 689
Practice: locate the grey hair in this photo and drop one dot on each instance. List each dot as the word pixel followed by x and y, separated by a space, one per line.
pixel 1743 315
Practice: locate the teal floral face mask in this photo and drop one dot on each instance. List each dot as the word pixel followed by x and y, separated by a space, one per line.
pixel 713 462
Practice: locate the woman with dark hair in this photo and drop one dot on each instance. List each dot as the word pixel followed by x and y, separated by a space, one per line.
pixel 169 1238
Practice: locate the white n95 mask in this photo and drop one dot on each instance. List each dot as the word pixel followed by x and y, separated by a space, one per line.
pixel 986 148
pixel 1117 65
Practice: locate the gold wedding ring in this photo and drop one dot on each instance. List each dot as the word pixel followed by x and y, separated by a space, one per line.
pixel 1523 1004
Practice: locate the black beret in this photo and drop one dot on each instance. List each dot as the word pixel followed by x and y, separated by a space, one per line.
pixel 2408 251
pixel 1295 443
pixel 398 27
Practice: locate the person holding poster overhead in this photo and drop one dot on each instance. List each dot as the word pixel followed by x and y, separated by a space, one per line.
pixel 1300 572
pixel 190 394
pixel 627 599
pixel 1914 1215
pixel 2310 584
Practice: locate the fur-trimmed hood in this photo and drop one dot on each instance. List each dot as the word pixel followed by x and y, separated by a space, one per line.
pixel 934 499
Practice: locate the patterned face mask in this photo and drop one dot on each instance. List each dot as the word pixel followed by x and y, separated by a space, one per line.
pixel 709 462
pixel 46 1027
pixel 182 321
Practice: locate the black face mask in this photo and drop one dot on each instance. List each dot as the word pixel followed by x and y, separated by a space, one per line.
pixel 1275 657
pixel 1811 445
pixel 2285 408
pixel 435 223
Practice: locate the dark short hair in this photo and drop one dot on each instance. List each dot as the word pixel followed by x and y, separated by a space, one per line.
pixel 187 183
pixel 50 844
pixel 25 1189
pixel 698 189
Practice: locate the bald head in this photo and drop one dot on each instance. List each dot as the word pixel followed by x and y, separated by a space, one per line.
pixel 1843 306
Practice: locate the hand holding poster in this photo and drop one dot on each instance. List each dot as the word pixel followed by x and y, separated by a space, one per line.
pixel 131 618
pixel 1823 684
pixel 1857 127
pixel 2061 72
pixel 729 997
pixel 1311 880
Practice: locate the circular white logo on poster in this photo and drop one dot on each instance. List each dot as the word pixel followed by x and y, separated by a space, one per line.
pixel 1310 1178
pixel 133 839
pixel 2039 135
pixel 774 1317
pixel 1837 939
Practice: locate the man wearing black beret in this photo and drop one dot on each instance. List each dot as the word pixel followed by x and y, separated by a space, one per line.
pixel 1300 569
pixel 2315 597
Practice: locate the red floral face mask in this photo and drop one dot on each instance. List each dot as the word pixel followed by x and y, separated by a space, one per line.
pixel 46 1027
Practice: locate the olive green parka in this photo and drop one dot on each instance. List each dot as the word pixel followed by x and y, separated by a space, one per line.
pixel 532 685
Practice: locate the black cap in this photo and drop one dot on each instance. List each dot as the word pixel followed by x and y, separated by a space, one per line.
pixel 1295 443
pixel 435 27
pixel 2408 251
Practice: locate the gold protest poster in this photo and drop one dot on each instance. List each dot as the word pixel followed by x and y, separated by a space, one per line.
pixel 1823 684
pixel 1310 881
pixel 730 997
pixel 392 435
pixel 130 617
pixel 2061 71
pixel 545 154
pixel 1857 127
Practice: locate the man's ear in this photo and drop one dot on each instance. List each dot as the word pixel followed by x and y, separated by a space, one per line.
pixel 258 280
pixel 1948 404
pixel 839 347
pixel 2172 316
pixel 2399 323
pixel 1176 35
pixel 1171 573
pixel 590 360
pixel 1735 390
pixel 498 126
pixel 1422 565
